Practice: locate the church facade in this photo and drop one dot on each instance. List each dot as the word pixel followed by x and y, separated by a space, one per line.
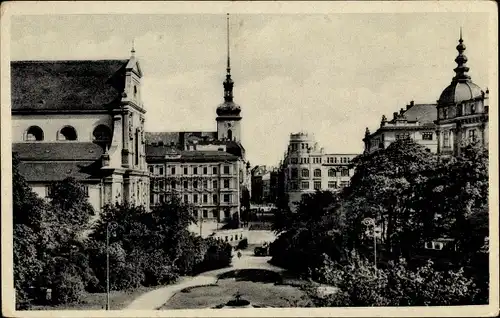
pixel 82 119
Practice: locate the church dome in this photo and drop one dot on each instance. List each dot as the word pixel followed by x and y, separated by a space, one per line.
pixel 461 88
pixel 228 108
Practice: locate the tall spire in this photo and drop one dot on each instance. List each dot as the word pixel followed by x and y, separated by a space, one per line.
pixel 228 83
pixel 461 69
pixel 133 48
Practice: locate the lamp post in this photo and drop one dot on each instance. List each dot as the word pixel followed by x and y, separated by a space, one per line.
pixel 371 222
pixel 110 226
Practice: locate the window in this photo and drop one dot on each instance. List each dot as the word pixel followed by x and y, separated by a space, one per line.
pixel 151 199
pixel 67 133
pixel 335 159
pixel 195 184
pixel 294 173
pixel 226 169
pixel 304 185
pixel 445 113
pixel 214 170
pixel 173 184
pixel 305 173
pixel 427 136
pixel 172 170
pixel 205 213
pixel 185 184
pixel 34 133
pixel 151 169
pixel 293 160
pixel 186 198
pixel 205 184
pixel 102 133
pixel 472 135
pixel 473 108
pixel 345 172
pixel 49 190
pixel 293 185
pixel 205 198
pixel 226 184
pixel 214 184
pixel 185 170
pixel 227 198
pixel 162 185
pixel 195 213
pixel 161 170
pixel 85 189
pixel 446 138
pixel 332 184
pixel 317 185
pixel 226 213
pixel 331 173
pixel 162 198
pixel 317 173
pixel 344 184
pixel 136 146
pixel 195 170
pixel 205 170
pixel 195 198
pixel 214 198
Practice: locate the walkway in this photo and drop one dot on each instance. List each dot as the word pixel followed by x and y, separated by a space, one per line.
pixel 155 299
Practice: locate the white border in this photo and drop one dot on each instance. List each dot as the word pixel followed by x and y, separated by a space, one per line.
pixel 135 7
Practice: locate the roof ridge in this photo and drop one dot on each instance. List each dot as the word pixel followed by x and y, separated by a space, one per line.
pixel 69 60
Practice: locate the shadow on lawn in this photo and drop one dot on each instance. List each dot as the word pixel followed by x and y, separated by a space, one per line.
pixel 253 275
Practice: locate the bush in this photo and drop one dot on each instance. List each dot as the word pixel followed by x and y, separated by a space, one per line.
pixel 67 287
pixel 361 285
pixel 242 245
pixel 218 255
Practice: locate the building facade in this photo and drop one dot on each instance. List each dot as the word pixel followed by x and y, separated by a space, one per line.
pixel 257 173
pixel 307 168
pixel 415 122
pixel 81 119
pixel 209 180
pixel 462 110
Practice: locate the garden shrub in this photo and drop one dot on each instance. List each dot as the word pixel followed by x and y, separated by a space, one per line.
pixel 242 245
pixel 67 287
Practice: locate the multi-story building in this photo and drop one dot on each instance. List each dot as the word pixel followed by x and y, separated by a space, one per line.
pixel 206 179
pixel 257 187
pixel 415 122
pixel 308 168
pixel 82 119
pixel 462 110
pixel 207 169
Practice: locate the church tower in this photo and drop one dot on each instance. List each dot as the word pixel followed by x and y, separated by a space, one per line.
pixel 228 113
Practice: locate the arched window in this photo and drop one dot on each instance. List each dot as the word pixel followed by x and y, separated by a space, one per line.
pixel 67 133
pixel 305 173
pixel 317 172
pixel 102 133
pixel 294 173
pixel 331 173
pixel 230 134
pixel 34 133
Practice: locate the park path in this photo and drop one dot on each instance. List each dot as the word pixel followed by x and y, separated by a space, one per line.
pixel 155 299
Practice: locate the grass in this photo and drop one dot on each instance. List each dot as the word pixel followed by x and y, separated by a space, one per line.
pixel 97 301
pixel 259 290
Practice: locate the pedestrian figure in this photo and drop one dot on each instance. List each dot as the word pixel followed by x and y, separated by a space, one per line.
pixel 239 254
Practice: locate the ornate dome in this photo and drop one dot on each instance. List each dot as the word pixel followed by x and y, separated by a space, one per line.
pixel 228 108
pixel 458 92
pixel 461 87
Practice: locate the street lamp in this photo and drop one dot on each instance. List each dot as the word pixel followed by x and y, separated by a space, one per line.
pixel 110 226
pixel 371 222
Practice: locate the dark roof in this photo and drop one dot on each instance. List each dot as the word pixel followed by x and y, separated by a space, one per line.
pixel 178 138
pixel 60 151
pixel 159 153
pixel 424 113
pixel 66 85
pixel 51 172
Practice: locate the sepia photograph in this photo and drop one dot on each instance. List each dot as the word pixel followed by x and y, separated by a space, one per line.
pixel 249 159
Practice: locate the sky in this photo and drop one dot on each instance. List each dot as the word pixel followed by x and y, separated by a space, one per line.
pixel 331 75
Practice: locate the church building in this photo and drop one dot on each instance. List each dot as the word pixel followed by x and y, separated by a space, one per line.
pixel 82 119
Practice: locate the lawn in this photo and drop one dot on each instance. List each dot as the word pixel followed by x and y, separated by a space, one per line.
pixel 97 301
pixel 260 294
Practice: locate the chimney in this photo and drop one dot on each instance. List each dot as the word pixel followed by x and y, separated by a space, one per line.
pixel 412 103
pixel 394 115
pixel 401 111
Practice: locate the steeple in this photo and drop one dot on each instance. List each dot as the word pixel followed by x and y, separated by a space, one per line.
pixel 462 69
pixel 132 52
pixel 228 83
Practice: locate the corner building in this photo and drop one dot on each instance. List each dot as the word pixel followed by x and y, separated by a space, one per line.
pixel 462 110
pixel 82 119
pixel 307 168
